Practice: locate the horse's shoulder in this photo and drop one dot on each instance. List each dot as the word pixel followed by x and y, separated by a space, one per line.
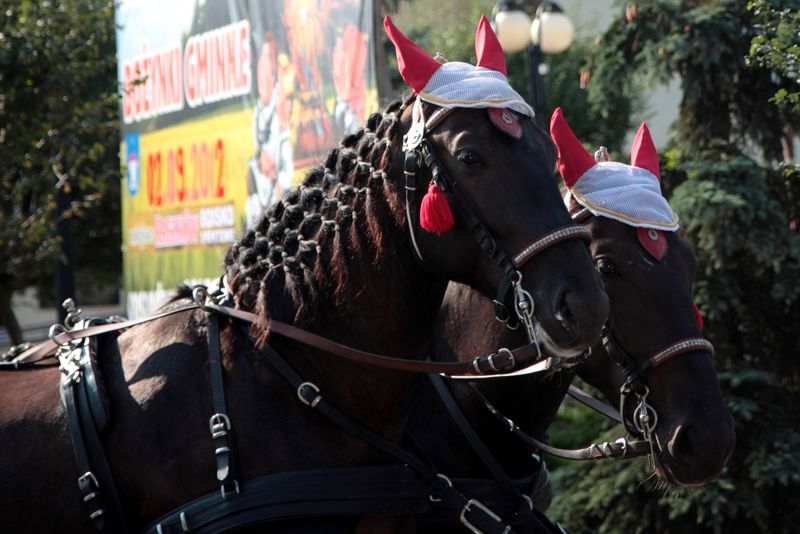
pixel 152 352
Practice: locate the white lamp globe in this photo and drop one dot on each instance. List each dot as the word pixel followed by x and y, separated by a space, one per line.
pixel 555 30
pixel 512 29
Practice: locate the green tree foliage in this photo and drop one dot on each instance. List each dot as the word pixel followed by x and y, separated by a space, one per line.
pixel 738 204
pixel 58 124
pixel 776 46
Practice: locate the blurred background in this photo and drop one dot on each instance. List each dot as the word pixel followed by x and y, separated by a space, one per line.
pixel 716 80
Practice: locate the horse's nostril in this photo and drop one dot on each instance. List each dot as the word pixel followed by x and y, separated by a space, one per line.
pixel 680 446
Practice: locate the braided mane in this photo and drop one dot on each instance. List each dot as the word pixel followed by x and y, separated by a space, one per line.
pixel 320 234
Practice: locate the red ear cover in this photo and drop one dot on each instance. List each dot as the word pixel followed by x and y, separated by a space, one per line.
pixel 643 152
pixel 434 214
pixel 415 65
pixel 487 48
pixel 573 158
pixel 698 316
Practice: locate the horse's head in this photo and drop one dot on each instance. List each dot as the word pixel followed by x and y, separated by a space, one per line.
pixel 654 331
pixel 491 209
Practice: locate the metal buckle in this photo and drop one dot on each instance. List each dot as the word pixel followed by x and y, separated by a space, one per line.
pixel 200 296
pixel 448 484
pixel 500 351
pixel 225 494
pixel 88 475
pixel 482 507
pixel 55 330
pixel 475 365
pixel 524 308
pixel 73 314
pixel 529 502
pixel 219 424
pixel 645 418
pixel 312 402
pixel 184 522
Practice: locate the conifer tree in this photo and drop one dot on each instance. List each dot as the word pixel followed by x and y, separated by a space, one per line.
pixel 727 178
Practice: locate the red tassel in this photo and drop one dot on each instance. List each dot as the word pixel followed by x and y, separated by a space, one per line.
pixel 698 316
pixel 435 215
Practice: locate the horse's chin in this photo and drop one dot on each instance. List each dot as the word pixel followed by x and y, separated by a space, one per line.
pixel 672 475
pixel 553 349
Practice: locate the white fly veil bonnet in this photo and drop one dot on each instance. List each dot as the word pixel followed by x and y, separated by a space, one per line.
pixel 630 194
pixel 456 84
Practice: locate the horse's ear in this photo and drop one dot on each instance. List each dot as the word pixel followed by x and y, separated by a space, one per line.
pixel 415 65
pixel 573 158
pixel 487 48
pixel 644 153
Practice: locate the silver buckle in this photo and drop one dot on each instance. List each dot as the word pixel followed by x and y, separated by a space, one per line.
pixel 219 424
pixel 449 485
pixel 313 402
pixel 482 507
pixel 226 494
pixel 500 351
pixel 88 475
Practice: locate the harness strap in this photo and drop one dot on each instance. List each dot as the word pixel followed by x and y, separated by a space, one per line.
pixel 410 173
pixel 597 405
pixel 310 395
pixel 390 489
pixel 474 514
pixel 496 364
pixel 220 423
pixel 617 449
pixel 95 480
pixel 525 510
pixel 475 442
pixel 48 347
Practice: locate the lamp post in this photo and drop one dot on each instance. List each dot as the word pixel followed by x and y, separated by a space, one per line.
pixel 550 32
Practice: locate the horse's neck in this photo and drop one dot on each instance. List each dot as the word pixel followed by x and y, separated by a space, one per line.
pixel 389 308
pixel 530 401
pixel 386 306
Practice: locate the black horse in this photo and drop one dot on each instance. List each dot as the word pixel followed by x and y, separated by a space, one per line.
pixel 341 264
pixel 651 310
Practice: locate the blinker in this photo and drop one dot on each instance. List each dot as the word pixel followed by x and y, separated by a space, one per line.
pixel 506 121
pixel 653 241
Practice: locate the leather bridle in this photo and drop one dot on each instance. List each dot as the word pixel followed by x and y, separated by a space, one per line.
pixel 417 148
pixel 645 417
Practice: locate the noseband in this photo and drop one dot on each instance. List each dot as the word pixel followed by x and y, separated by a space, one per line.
pixel 645 417
pixel 416 148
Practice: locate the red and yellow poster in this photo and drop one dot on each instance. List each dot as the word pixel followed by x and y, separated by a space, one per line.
pixel 225 106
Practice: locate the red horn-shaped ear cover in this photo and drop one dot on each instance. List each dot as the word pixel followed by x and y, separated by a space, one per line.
pixel 487 48
pixel 643 152
pixel 698 316
pixel 573 158
pixel 415 65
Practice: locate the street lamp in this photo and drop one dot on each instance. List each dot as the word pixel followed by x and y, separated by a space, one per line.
pixel 550 32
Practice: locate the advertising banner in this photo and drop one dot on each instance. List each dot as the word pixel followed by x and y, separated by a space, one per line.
pixel 225 106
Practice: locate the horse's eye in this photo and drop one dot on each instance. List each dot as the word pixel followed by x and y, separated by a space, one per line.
pixel 605 266
pixel 469 158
